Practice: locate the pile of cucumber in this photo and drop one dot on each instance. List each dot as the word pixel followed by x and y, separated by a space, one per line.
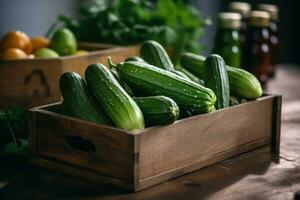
pixel 149 90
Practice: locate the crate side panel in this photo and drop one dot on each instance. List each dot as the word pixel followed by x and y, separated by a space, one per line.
pixel 35 82
pixel 198 138
pixel 29 82
pixel 82 173
pixel 92 46
pixel 111 153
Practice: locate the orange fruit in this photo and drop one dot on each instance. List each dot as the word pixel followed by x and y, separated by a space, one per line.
pixel 16 39
pixel 39 42
pixel 13 53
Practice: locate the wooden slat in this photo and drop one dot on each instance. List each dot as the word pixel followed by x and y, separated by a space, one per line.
pixel 92 46
pixel 29 82
pixel 159 178
pixel 113 155
pixel 32 137
pixel 82 173
pixel 34 82
pixel 276 125
pixel 196 139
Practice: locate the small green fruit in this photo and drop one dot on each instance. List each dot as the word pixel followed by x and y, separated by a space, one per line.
pixel 46 53
pixel 64 42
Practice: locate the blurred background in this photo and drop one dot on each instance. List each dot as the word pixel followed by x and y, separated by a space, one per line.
pixel 34 17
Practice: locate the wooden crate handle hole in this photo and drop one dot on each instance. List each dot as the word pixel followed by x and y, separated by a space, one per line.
pixel 80 144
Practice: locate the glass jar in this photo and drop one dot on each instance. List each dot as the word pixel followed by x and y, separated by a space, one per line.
pixel 227 39
pixel 274 40
pixel 257 45
pixel 244 9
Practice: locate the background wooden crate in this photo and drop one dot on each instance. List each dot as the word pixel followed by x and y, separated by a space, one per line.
pixel 34 82
pixel 137 160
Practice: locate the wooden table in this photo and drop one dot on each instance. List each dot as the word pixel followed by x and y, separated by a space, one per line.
pixel 251 176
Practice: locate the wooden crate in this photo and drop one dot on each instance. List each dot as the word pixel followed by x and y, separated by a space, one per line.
pixel 34 82
pixel 138 160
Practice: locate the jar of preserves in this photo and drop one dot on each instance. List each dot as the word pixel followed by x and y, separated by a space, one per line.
pixel 257 45
pixel 227 39
pixel 244 9
pixel 274 41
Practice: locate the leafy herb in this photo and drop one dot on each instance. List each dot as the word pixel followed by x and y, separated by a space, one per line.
pixel 13 131
pixel 18 148
pixel 172 23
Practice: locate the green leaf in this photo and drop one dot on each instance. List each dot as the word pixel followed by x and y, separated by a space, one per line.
pixel 167 10
pixel 13 126
pixel 93 7
pixel 17 117
pixel 172 22
pixel 163 34
pixel 19 148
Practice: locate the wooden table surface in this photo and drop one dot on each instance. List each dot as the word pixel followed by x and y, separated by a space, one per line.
pixel 252 176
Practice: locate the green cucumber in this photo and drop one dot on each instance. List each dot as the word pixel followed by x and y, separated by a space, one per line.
pixel 78 102
pixel 158 110
pixel 193 63
pixel 139 59
pixel 149 80
pixel 190 75
pixel 241 82
pixel 122 83
pixel 153 53
pixel 181 74
pixel 135 58
pixel 216 78
pixel 119 106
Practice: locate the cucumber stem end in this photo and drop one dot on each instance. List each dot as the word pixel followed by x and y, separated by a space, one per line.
pixel 110 63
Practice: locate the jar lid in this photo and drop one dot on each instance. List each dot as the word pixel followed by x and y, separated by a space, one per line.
pixel 271 9
pixel 241 7
pixel 229 20
pixel 259 18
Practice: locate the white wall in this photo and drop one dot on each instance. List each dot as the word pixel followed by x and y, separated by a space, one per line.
pixel 34 17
